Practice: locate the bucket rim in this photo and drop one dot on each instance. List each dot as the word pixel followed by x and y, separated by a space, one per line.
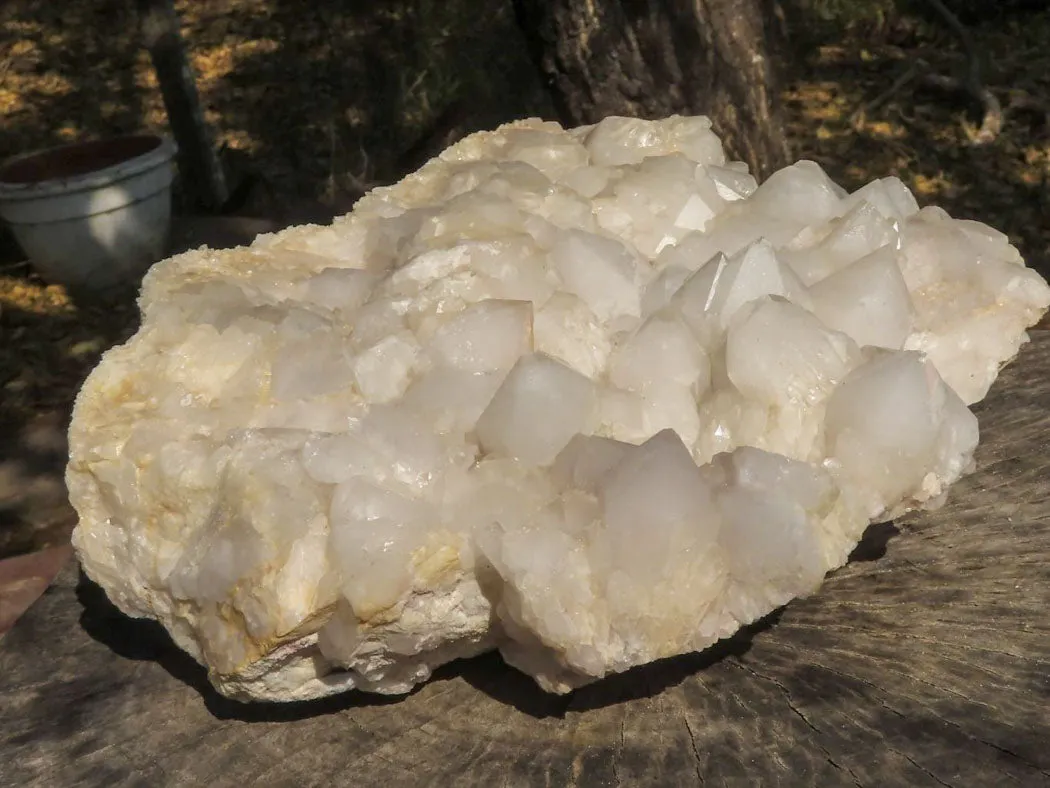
pixel 155 150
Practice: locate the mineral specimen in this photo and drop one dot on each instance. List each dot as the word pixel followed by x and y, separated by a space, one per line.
pixel 588 397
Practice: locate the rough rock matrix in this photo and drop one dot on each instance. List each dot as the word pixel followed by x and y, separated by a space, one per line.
pixel 589 397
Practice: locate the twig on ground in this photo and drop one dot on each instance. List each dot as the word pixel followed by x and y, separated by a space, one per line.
pixel 363 181
pixel 992 122
pixel 858 118
pixel 1022 101
pixel 918 70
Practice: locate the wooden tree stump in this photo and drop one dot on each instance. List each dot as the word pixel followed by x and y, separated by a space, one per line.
pixel 925 661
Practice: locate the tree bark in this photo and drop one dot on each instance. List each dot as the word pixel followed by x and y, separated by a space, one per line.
pixel 654 58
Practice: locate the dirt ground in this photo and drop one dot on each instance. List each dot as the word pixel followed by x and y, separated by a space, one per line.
pixel 317 100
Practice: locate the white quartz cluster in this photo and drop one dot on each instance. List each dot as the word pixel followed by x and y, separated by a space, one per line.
pixel 588 397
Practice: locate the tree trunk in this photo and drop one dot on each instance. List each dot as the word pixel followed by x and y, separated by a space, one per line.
pixel 653 58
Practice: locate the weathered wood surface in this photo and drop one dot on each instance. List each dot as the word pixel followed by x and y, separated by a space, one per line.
pixel 925 661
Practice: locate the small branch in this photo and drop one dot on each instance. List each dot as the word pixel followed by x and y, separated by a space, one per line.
pixel 992 122
pixel 1021 101
pixel 973 61
pixel 920 71
pixel 361 182
pixel 858 118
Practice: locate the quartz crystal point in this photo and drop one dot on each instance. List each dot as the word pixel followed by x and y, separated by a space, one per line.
pixel 588 397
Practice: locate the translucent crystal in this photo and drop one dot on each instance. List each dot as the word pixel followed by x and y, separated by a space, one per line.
pixel 590 397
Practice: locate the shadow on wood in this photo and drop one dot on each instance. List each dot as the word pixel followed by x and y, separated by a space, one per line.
pixel 146 640
pixel 143 639
pixel 872 545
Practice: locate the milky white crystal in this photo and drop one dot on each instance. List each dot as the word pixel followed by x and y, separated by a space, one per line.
pixel 588 397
